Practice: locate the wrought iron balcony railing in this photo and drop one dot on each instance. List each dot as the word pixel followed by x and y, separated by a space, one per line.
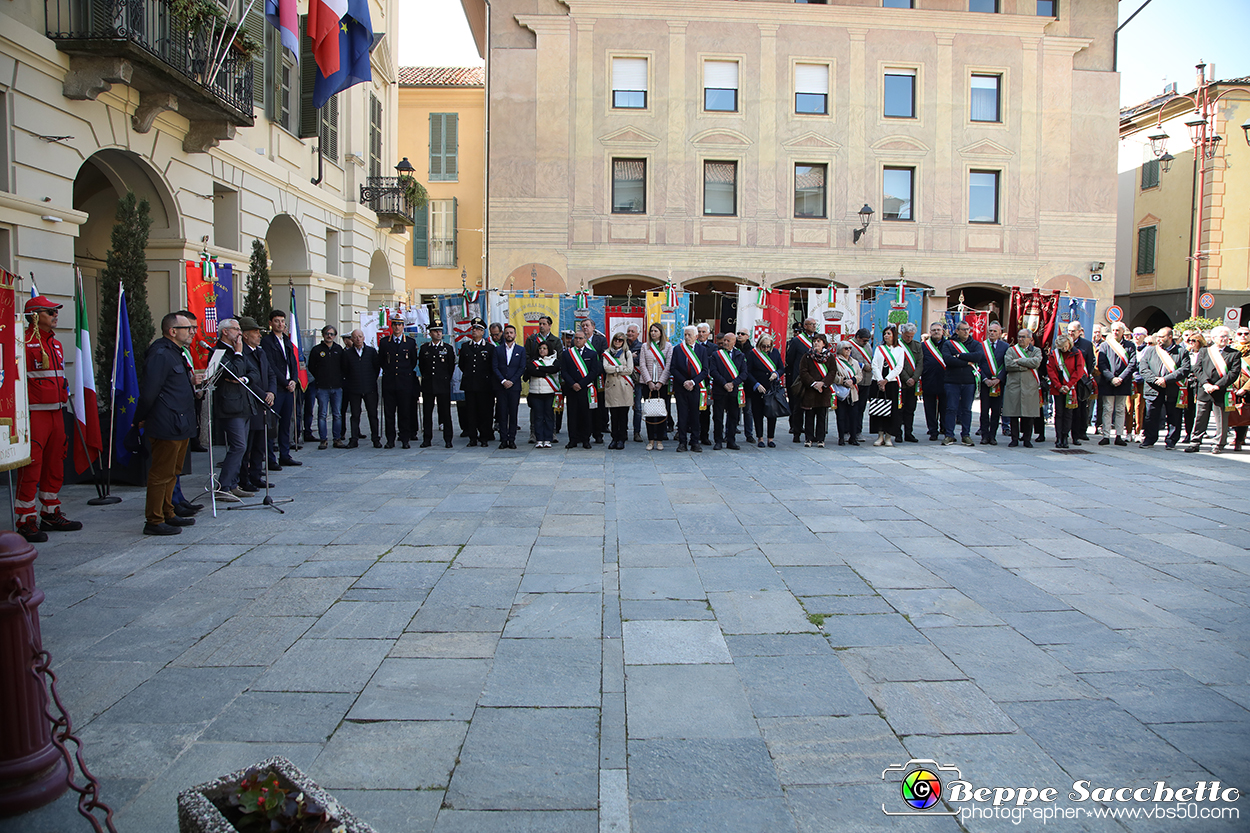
pixel 167 55
pixel 388 197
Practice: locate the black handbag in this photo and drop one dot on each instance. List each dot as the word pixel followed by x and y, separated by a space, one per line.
pixel 1084 388
pixel 776 405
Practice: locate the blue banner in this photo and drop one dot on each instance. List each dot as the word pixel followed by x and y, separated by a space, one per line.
pixel 1077 309
pixel 875 314
pixel 571 317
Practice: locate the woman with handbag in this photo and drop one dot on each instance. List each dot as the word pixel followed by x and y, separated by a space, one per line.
pixel 1065 369
pixel 1022 393
pixel 765 368
pixel 815 389
pixel 654 362
pixel 544 377
pixel 618 389
pixel 846 372
pixel 883 401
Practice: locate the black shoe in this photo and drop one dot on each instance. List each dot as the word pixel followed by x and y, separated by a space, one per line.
pixel 1121 441
pixel 405 444
pixel 197 447
pixel 30 531
pixel 154 529
pixel 308 438
pixel 985 440
pixel 182 510
pixel 761 444
pixel 472 443
pixel 290 461
pixel 58 523
pixel 697 448
pixel 1146 445
pixel 1104 441
pixel 377 443
pixel 1012 444
pixel 1028 443
pixel 637 437
pixel 598 440
pixel 681 446
pixel 772 444
pixel 571 445
pixel 704 441
pixel 274 467
pixel 587 445
pixel 503 445
pixel 389 445
pixel 426 444
pixel 1076 443
pixel 732 446
pixel 796 439
pixel 993 440
pixel 1190 449
pixel 750 440
pixel 717 447
pixel 359 437
pixel 259 486
pixel 855 441
pixel 911 438
pixel 177 521
pixel 449 443
pixel 354 444
pixel 841 441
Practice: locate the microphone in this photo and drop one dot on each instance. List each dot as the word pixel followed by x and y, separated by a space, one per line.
pixel 210 348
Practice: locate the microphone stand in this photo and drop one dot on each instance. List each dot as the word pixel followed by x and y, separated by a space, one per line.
pixel 267 502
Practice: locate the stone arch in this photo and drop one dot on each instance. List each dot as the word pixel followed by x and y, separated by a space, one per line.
pixel 991 297
pixel 380 278
pixel 623 285
pixel 1152 318
pixel 541 275
pixel 288 248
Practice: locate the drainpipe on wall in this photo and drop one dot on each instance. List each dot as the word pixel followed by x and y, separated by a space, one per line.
pixel 486 176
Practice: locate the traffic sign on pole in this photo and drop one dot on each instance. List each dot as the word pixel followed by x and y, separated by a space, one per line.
pixel 1206 301
pixel 1232 317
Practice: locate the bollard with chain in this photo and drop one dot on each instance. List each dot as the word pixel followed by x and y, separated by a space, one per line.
pixel 36 766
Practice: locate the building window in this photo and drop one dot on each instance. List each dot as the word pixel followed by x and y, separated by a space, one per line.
pixel 900 94
pixel 286 100
pixel 225 216
pixel 629 186
pixel 444 147
pixel 720 86
pixel 328 129
pixel 985 100
pixel 375 136
pixel 983 196
pixel 442 250
pixel 720 188
pixel 1047 8
pixel 989 6
pixel 811 89
pixel 1150 174
pixel 897 193
pixel 809 191
pixel 333 255
pixel 629 83
pixel 4 147
pixel 896 4
pixel 1146 250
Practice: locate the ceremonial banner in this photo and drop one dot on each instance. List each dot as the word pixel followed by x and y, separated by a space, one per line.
pixel 729 314
pixel 125 383
pixel 1034 311
pixel 672 318
pixel 818 304
pixel 764 311
pixel 619 319
pixel 211 298
pixel 978 321
pixel 455 320
pixel 525 308
pixel 875 314
pixel 1077 309
pixel 571 317
pixel 14 413
pixel 497 309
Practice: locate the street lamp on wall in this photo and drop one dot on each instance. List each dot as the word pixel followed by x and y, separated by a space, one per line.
pixel 1165 161
pixel 404 168
pixel 1246 129
pixel 865 215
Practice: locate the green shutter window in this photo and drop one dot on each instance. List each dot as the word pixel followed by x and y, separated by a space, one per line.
pixel 455 234
pixel 375 136
pixel 308 118
pixel 444 166
pixel 1150 174
pixel 421 237
pixel 330 128
pixel 254 26
pixel 1146 250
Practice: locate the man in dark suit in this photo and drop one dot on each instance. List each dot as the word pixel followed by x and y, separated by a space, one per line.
pixel 477 381
pixel 728 368
pixel 285 367
pixel 508 366
pixel 252 474
pixel 598 342
pixel 361 365
pixel 1117 365
pixel 933 381
pixel 436 361
pixel 706 346
pixel 963 362
pixel 798 347
pixel 1080 419
pixel 398 356
pixel 579 371
pixel 993 378
pixel 1215 368
pixel 688 373
pixel 1164 368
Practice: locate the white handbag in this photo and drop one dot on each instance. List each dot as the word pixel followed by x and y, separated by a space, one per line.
pixel 654 408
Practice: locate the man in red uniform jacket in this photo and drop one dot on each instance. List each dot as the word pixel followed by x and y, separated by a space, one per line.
pixel 45 381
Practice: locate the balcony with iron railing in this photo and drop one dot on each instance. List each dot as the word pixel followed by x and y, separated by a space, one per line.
pixel 394 199
pixel 189 67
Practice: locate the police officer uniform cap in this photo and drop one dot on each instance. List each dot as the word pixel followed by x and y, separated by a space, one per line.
pixel 478 324
pixel 435 325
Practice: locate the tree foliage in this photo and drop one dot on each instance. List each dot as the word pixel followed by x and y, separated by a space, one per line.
pixel 259 299
pixel 1203 324
pixel 126 265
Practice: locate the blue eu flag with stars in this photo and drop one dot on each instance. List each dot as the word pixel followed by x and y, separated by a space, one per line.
pixel 355 42
pixel 125 384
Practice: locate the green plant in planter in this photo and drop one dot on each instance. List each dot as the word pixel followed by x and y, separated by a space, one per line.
pixel 414 192
pixel 264 802
pixel 205 19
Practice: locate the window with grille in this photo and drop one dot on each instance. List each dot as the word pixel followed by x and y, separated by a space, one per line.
pixel 444 147
pixel 629 83
pixel 1146 249
pixel 629 186
pixel 811 88
pixel 809 191
pixel 720 186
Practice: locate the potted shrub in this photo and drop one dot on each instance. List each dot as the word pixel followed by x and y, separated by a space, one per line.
pixel 271 796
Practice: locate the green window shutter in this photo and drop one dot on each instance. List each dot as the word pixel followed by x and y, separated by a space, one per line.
pixel 1146 250
pixel 254 26
pixel 1150 174
pixel 436 146
pixel 455 235
pixel 421 237
pixel 330 139
pixel 451 147
pixel 308 116
pixel 375 136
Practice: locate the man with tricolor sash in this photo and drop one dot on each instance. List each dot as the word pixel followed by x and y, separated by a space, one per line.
pixel 963 357
pixel 688 374
pixel 579 374
pixel 1216 367
pixel 861 351
pixel 1164 368
pixel 705 346
pixel 993 377
pixel 910 383
pixel 798 347
pixel 729 369
pixel 933 381
pixel 1117 364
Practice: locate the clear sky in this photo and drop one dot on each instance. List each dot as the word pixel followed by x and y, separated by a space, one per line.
pixel 1161 44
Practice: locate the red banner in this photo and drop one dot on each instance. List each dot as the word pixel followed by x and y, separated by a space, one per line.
pixel 1033 311
pixel 9 358
pixel 201 295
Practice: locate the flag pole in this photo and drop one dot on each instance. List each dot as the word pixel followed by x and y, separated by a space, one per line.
pixel 102 483
pixel 121 293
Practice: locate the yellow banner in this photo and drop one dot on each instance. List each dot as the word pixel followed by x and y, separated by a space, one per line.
pixel 525 308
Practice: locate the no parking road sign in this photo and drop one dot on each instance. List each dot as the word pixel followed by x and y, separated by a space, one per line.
pixel 1206 301
pixel 1114 314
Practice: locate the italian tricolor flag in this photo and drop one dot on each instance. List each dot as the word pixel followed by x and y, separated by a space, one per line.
pixel 84 399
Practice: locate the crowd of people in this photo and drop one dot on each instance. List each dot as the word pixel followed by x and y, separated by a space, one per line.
pixel 700 391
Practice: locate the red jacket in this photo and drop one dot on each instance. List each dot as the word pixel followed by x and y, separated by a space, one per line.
pixel 45 371
pixel 1076 368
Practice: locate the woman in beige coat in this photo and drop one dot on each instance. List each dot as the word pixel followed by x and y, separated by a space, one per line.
pixel 1022 394
pixel 618 388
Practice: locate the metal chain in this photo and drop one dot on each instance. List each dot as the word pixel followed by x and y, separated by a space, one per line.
pixel 41 669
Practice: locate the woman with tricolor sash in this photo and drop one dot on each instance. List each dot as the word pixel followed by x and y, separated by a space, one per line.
pixel 544 377
pixel 654 363
pixel 885 398
pixel 688 375
pixel 816 390
pixel 765 369
pixel 1022 392
pixel 1065 367
pixel 845 374
pixel 618 389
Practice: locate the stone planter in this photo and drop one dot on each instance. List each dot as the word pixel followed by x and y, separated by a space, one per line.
pixel 198 814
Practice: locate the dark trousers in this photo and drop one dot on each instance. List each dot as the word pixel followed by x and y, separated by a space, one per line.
pixel 542 417
pixel 857 420
pixel 991 412
pixel 509 406
pixel 577 406
pixel 479 414
pixel 687 415
pixel 284 407
pixel 619 419
pixel 253 468
pixel 369 401
pixel 397 412
pixel 1064 415
pixel 843 413
pixel 755 408
pixel 907 414
pixel 235 430
pixel 167 457
pixel 638 408
pixel 725 413
pixel 442 399
pixel 796 413
pixel 1021 426
pixel 959 408
pixel 815 424
pixel 1161 408
pixel 935 412
pixel 1080 420
pixel 705 425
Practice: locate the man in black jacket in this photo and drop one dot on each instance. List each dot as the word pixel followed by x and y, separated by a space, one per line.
pixel 436 361
pixel 233 406
pixel 728 369
pixel 1215 368
pixel 800 345
pixel 285 368
pixel 398 356
pixel 1164 368
pixel 166 412
pixel 325 363
pixel 579 370
pixel 933 382
pixel 598 342
pixel 360 382
pixel 477 382
pixel 963 356
pixel 252 474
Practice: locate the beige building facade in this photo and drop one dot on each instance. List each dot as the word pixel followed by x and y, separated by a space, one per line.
pixel 88 114
pixel 734 141
pixel 1158 210
pixel 442 129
